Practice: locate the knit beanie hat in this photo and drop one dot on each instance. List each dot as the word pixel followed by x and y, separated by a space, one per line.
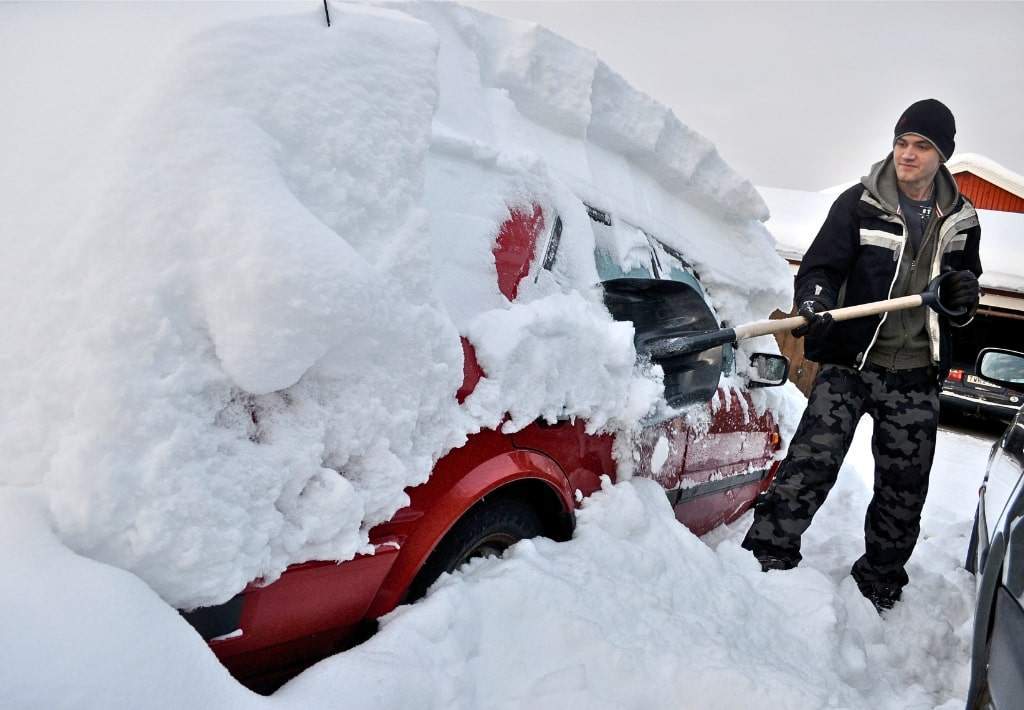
pixel 931 119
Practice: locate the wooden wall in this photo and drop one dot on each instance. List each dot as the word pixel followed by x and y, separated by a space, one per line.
pixel 987 196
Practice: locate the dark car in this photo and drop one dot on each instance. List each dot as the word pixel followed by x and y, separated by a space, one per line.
pixel 996 554
pixel 967 393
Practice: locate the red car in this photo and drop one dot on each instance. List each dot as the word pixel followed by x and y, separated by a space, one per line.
pixel 499 488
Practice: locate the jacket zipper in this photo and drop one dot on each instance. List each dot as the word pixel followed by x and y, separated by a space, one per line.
pixel 896 275
pixel 928 235
pixel 903 317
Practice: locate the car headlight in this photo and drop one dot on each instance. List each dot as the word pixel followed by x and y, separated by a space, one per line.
pixel 1015 399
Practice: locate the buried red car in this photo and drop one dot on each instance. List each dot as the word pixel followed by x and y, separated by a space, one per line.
pixel 499 488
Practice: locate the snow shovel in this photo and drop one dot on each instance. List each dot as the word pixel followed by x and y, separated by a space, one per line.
pixel 668 346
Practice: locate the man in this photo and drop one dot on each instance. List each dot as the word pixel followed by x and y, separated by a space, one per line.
pixel 905 223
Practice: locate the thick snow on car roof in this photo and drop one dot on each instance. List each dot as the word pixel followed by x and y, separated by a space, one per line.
pixel 237 353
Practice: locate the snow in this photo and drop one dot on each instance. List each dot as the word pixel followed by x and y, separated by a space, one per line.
pixel 705 628
pixel 532 354
pixel 1001 256
pixel 227 351
pixel 238 255
pixel 634 611
pixel 796 217
pixel 238 312
pixel 82 634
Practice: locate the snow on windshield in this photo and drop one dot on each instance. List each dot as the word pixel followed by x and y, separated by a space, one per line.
pixel 246 347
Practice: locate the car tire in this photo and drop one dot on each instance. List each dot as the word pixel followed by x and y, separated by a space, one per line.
pixel 489 528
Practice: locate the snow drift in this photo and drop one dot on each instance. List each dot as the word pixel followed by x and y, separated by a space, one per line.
pixel 633 612
pixel 247 348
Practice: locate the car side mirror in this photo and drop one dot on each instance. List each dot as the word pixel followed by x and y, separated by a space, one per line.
pixel 1003 367
pixel 768 370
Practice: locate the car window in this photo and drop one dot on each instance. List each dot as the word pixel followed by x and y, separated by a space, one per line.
pixel 672 265
pixel 620 249
pixel 637 273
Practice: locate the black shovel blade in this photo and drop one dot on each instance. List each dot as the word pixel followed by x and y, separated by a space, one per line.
pixel 661 310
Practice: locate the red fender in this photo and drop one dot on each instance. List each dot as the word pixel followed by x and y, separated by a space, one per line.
pixel 433 512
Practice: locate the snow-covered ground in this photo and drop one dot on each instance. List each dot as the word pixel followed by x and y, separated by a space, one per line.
pixel 633 612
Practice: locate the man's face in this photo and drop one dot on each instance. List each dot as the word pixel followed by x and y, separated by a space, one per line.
pixel 917 160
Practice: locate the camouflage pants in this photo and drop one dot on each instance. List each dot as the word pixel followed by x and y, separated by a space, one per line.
pixel 905 409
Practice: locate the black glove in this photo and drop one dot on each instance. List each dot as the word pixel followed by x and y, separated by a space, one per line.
pixel 817 325
pixel 960 291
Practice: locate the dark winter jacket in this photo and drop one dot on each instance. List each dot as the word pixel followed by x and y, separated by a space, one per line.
pixel 860 254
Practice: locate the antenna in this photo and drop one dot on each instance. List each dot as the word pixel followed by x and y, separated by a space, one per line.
pixel 327 14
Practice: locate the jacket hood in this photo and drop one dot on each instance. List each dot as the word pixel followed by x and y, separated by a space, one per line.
pixel 881 183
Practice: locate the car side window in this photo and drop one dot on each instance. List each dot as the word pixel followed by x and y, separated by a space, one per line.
pixel 620 250
pixel 672 265
pixel 657 292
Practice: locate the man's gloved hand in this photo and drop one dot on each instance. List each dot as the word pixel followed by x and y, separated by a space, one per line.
pixel 817 325
pixel 960 290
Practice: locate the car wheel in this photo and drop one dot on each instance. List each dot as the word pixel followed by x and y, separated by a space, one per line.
pixel 487 529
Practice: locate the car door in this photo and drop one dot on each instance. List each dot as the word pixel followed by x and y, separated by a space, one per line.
pixel 1001 570
pixel 622 251
pixel 1001 487
pixel 711 460
pixel 725 462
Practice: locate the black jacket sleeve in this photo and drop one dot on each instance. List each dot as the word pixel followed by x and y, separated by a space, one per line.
pixel 972 262
pixel 828 260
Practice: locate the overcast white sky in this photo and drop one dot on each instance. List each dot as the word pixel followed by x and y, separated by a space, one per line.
pixel 801 95
pixel 805 95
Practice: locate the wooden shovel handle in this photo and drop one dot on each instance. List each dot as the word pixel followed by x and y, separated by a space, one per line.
pixel 766 327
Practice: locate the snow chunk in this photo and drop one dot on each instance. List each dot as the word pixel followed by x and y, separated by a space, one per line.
pixel 248 371
pixel 624 119
pixel 547 76
pixel 558 357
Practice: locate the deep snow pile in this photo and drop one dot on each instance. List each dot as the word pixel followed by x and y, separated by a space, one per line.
pixel 519 100
pixel 247 346
pixel 244 316
pixel 633 612
pixel 637 612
